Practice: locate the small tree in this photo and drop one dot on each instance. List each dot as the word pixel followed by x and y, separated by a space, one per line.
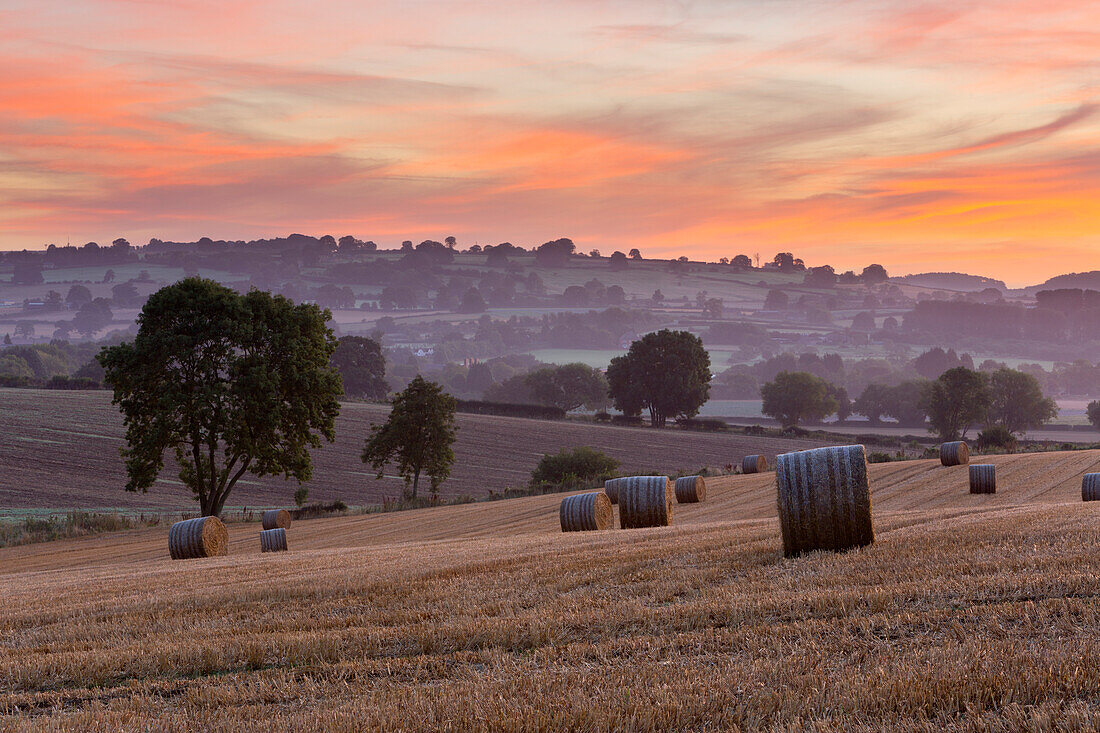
pixel 795 397
pixel 1017 401
pixel 956 400
pixel 417 436
pixel 230 383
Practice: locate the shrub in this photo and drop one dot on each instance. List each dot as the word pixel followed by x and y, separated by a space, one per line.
pixel 60 381
pixel 879 457
pixel 580 465
pixel 626 419
pixel 755 430
pixel 996 436
pixel 313 511
pixel 702 423
pixel 300 496
pixel 602 416
pixel 509 409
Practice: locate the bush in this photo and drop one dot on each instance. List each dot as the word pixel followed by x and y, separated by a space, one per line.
pixel 996 436
pixel 879 457
pixel 62 382
pixel 580 465
pixel 313 511
pixel 755 430
pixel 633 420
pixel 510 409
pixel 602 416
pixel 702 423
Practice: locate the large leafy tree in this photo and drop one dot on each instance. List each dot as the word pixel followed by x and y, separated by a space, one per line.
pixel 955 401
pixel 568 386
pixel 903 402
pixel 229 383
pixel 362 367
pixel 417 436
pixel 873 402
pixel 794 397
pixel 1017 402
pixel 666 372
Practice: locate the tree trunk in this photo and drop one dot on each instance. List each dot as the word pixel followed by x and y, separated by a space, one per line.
pixel 416 482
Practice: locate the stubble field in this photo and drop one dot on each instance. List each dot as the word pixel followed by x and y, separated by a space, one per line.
pixel 968 613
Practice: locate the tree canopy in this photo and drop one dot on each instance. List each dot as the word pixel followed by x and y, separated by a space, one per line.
pixel 230 383
pixel 666 372
pixel 568 386
pixel 417 436
pixel 362 367
pixel 1017 402
pixel 795 397
pixel 955 401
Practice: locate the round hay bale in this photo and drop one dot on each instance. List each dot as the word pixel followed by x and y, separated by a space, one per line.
pixel 690 489
pixel 612 488
pixel 201 537
pixel 645 501
pixel 954 454
pixel 273 540
pixel 276 518
pixel 824 499
pixel 586 512
pixel 983 479
pixel 754 464
pixel 1090 487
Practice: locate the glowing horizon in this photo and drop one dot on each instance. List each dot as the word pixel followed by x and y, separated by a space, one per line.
pixel 925 137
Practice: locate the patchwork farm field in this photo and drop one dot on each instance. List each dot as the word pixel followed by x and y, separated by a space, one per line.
pixel 60 451
pixel 968 613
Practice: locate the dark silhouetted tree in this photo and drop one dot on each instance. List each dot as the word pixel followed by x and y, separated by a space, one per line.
pixel 228 383
pixel 667 372
pixel 362 367
pixel 795 397
pixel 874 275
pixel 568 386
pixel 416 437
pixel 958 399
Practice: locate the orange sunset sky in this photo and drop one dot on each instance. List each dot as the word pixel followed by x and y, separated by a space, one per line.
pixel 927 136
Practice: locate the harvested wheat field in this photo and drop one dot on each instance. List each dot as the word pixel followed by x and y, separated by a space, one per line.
pixel 970 612
pixel 55 440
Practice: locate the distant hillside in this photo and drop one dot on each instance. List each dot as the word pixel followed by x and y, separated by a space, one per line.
pixel 952 281
pixel 1084 280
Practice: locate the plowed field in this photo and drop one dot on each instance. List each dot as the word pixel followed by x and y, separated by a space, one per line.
pixel 60 450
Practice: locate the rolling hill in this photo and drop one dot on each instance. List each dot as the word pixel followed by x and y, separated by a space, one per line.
pixel 63 454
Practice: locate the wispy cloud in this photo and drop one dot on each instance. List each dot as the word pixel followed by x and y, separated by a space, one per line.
pixel 848 132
